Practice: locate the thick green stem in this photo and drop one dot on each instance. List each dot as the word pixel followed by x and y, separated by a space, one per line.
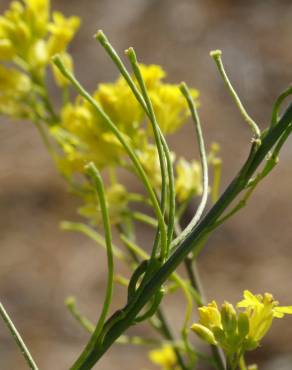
pixel 123 319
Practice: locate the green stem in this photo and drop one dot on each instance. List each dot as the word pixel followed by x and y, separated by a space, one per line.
pixel 142 217
pixel 92 171
pixel 93 235
pixel 204 162
pixel 121 67
pixel 216 55
pixel 256 156
pixel 133 60
pixel 242 364
pixel 83 321
pixel 278 104
pixel 89 327
pixel 132 155
pixel 20 343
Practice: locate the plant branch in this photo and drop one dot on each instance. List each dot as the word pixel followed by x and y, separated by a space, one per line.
pixel 126 316
pixel 19 341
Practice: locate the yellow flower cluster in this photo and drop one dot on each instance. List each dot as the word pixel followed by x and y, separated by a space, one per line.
pixel 164 357
pixel 28 39
pixel 84 137
pixel 14 89
pixel 237 331
pixel 29 36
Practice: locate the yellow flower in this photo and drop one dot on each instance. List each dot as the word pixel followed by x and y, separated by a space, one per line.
pixel 120 105
pixel 14 92
pixel 37 16
pixel 188 179
pixel 210 315
pixel 164 357
pixel 170 107
pixel 261 311
pixel 62 31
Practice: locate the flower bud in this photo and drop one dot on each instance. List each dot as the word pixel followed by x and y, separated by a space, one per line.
pixel 228 318
pixel 204 333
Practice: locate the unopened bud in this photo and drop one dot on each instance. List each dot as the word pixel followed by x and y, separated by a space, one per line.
pixel 204 333
pixel 228 317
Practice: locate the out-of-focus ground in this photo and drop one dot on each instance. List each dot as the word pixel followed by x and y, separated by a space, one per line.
pixel 40 265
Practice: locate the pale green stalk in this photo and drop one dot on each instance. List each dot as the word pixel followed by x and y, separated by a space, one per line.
pixel 142 217
pixel 277 105
pixel 100 36
pixel 132 155
pixel 204 163
pixel 19 341
pixel 93 235
pixel 83 321
pixel 89 327
pixel 162 150
pixel 93 173
pixel 217 171
pixel 216 55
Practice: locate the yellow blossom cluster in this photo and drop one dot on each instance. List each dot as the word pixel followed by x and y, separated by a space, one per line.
pixel 29 36
pixel 237 331
pixel 28 39
pixel 84 137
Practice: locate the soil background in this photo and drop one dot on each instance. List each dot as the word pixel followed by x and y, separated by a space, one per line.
pixel 40 265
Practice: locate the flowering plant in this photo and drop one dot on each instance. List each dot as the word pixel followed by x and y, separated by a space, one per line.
pixel 123 126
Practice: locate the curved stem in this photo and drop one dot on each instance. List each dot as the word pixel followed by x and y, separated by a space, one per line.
pixel 20 343
pixel 278 104
pixel 121 67
pixel 133 60
pixel 204 162
pixel 93 342
pixel 216 55
pixel 132 155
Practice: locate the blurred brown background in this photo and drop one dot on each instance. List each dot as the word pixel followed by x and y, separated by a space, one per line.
pixel 40 265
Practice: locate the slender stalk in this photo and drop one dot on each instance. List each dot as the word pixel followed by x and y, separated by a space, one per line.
pixel 155 128
pixel 92 171
pixel 100 36
pixel 216 55
pixel 93 235
pixel 142 217
pixel 242 364
pixel 162 150
pixel 204 163
pixel 217 170
pixel 277 105
pixel 83 321
pixel 19 341
pixel 132 155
